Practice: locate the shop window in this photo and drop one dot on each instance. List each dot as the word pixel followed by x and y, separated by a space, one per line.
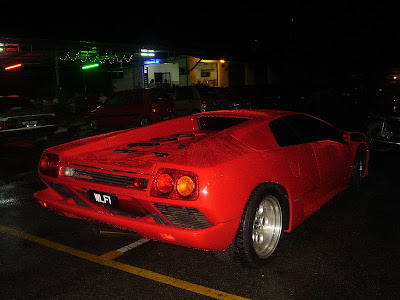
pixel 205 73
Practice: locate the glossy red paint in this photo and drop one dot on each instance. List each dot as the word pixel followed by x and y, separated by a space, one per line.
pixel 227 155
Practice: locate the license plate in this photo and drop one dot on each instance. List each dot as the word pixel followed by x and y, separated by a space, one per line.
pixel 32 123
pixel 103 198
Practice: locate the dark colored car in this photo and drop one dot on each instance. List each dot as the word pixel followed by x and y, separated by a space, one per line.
pixel 132 107
pixel 218 98
pixel 21 121
pixel 187 100
pixel 194 99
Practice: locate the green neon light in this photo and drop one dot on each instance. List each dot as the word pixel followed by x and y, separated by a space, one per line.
pixel 90 66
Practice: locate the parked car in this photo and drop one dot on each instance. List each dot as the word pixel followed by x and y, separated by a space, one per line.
pixel 187 100
pixel 21 121
pixel 132 107
pixel 225 99
pixel 229 181
pixel 194 99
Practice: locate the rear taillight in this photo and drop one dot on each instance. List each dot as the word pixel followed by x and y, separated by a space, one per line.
pixel 175 184
pixel 165 183
pixel 48 164
pixel 9 125
pixel 140 183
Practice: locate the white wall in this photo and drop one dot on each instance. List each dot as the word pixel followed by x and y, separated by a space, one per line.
pixel 133 76
pixel 172 68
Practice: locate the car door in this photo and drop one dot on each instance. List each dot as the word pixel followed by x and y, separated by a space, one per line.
pixel 299 156
pixel 331 151
pixel 109 113
pixel 333 165
pixel 134 107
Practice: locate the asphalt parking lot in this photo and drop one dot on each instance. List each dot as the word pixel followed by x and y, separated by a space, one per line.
pixel 350 249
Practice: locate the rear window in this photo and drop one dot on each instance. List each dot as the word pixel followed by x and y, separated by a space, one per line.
pixel 158 96
pixel 14 104
pixel 218 123
pixel 184 93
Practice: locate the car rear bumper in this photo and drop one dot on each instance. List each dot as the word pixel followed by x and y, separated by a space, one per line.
pixel 214 238
pixel 32 134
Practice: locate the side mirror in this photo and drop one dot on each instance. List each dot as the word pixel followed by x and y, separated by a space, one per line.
pixel 357 137
pixel 346 137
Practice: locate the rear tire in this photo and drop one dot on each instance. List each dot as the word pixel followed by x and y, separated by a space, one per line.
pixel 260 230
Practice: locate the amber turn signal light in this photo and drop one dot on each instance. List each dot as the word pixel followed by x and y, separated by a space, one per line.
pixel 185 186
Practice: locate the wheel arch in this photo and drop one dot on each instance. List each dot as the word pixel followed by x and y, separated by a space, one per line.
pixel 144 117
pixel 282 195
pixel 242 249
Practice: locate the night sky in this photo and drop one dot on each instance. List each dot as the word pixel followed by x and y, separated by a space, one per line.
pixel 358 34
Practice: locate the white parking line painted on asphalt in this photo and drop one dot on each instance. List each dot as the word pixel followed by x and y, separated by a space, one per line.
pixel 119 252
pixel 133 245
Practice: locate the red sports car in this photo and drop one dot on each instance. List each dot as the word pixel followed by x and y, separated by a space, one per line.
pixel 227 181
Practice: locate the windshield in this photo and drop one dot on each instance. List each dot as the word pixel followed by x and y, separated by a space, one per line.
pixel 218 123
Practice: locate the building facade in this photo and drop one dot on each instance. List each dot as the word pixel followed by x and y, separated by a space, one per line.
pixel 183 71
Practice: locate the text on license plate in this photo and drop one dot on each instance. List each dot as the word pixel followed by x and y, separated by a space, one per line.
pixel 103 198
pixel 29 123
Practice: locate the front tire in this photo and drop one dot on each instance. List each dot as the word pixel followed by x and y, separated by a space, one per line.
pixel 94 124
pixel 260 229
pixel 358 168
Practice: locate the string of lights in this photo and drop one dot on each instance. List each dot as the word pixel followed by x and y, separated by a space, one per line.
pixel 97 58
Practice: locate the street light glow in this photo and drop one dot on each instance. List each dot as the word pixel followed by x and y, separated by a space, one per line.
pixel 147 52
pixel 13 67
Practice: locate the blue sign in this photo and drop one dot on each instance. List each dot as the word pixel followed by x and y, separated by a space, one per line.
pixel 152 61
